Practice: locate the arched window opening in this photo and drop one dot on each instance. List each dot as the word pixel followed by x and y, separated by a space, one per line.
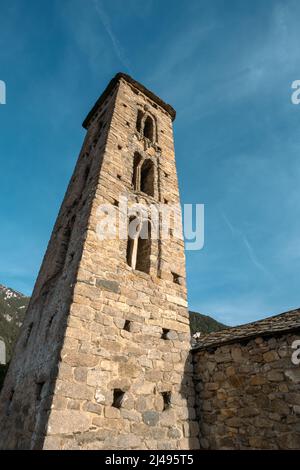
pixel 147 177
pixel 136 172
pixel 139 245
pixel 133 233
pixel 149 129
pixel 144 248
pixel 139 120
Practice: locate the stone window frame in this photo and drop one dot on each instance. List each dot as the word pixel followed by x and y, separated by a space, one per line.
pixel 133 244
pixel 141 117
pixel 136 173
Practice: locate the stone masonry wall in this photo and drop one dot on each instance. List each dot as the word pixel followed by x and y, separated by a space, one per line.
pixel 248 395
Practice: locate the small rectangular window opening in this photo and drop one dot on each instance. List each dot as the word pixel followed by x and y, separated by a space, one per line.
pixel 118 398
pixel 167 400
pixel 176 278
pixel 165 333
pixel 39 390
pixel 127 325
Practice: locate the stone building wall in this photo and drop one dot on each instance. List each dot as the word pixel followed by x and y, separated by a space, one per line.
pixel 2 352
pixel 248 393
pixel 103 359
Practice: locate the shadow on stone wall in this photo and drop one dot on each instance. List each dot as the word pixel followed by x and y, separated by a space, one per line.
pixel 187 390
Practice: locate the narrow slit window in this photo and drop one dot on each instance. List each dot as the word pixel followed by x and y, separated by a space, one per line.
pixel 143 252
pixel 139 120
pixel 149 129
pixel 86 173
pixel 39 390
pixel 49 324
pixel 167 400
pixel 28 334
pixel 136 172
pixel 9 402
pixel 147 177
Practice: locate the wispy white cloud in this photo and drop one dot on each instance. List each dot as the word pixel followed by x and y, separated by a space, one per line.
pixel 114 40
pixel 249 248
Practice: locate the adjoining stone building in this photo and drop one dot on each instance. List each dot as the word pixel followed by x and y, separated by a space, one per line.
pixel 2 352
pixel 248 385
pixel 103 358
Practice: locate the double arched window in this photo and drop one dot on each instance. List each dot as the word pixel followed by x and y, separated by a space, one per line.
pixel 146 126
pixel 143 174
pixel 139 244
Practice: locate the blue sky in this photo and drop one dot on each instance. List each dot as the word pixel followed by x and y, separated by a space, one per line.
pixel 227 67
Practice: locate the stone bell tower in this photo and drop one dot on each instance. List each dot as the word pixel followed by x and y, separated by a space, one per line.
pixel 102 361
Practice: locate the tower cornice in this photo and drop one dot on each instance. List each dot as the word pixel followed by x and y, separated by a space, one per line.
pixel 138 86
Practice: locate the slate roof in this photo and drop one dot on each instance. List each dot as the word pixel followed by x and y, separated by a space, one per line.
pixel 271 326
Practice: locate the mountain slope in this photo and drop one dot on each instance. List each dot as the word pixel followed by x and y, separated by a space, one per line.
pixel 204 323
pixel 12 311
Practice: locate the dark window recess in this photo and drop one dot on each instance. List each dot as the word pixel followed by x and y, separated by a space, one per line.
pixel 167 400
pixel 63 247
pixel 86 173
pixel 9 402
pixel 165 333
pixel 28 334
pixel 39 390
pixel 144 249
pixel 127 124
pixel 118 398
pixel 116 203
pixel 176 278
pixel 139 247
pixel 127 325
pixel 147 177
pixel 120 147
pixel 149 129
pixel 136 170
pixel 129 253
pixel 166 201
pixel 49 324
pixel 119 177
pixel 139 121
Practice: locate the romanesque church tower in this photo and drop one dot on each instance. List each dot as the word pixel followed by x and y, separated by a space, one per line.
pixel 102 361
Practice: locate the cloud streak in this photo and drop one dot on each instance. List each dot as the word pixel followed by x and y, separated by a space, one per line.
pixel 114 40
pixel 249 248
